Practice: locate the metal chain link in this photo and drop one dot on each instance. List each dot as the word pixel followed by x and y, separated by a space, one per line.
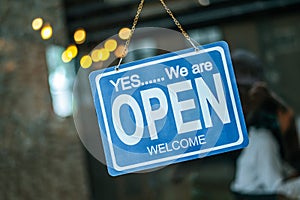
pixel 135 21
pixel 184 33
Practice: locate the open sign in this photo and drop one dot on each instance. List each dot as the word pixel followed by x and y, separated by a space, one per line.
pixel 167 109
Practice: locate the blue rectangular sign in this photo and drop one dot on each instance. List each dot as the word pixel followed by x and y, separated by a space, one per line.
pixel 168 109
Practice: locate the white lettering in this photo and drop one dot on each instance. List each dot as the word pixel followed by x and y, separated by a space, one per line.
pixel 182 71
pixel 152 150
pixel 116 84
pixel 193 142
pixel 153 115
pixel 125 83
pixel 201 139
pixel 176 145
pixel 135 79
pixel 179 106
pixel 172 72
pixel 124 137
pixel 161 148
pixel 186 143
pixel 167 147
pixel 201 67
pixel 205 95
pixel 173 145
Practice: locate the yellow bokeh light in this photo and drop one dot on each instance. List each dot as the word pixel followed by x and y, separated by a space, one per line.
pixel 120 51
pixel 100 55
pixel 110 45
pixel 46 32
pixel 72 50
pixel 37 23
pixel 124 33
pixel 80 36
pixel 104 54
pixel 86 61
pixel 66 57
pixel 96 55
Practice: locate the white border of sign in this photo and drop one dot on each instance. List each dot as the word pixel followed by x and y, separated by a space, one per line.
pixel 161 160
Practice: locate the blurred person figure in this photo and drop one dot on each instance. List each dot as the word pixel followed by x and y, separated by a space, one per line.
pixel 264 168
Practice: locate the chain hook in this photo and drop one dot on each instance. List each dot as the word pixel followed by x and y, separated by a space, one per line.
pixel 135 21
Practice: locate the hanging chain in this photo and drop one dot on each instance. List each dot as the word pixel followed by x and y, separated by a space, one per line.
pixel 184 33
pixel 135 21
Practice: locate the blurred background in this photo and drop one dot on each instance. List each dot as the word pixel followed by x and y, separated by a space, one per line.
pixel 44 43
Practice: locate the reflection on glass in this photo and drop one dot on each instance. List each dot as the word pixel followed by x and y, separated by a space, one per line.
pixel 206 35
pixel 143 48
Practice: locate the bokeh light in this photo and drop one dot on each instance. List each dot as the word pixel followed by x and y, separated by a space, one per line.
pixel 66 56
pixel 119 51
pixel 96 55
pixel 46 32
pixel 37 23
pixel 80 36
pixel 124 33
pixel 110 45
pixel 86 61
pixel 104 54
pixel 72 49
pixel 69 53
pixel 100 55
